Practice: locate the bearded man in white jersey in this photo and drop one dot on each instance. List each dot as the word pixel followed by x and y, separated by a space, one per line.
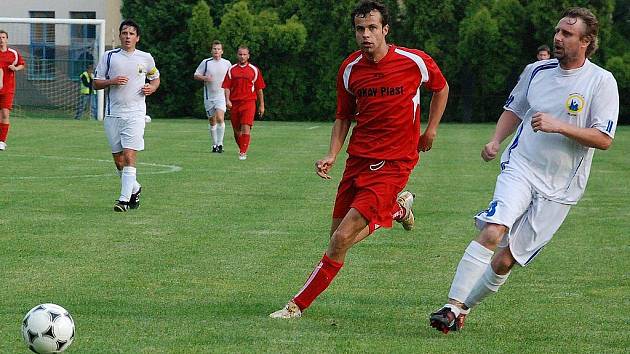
pixel 124 72
pixel 212 71
pixel 564 109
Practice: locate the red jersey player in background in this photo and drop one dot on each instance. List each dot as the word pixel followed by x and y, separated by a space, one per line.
pixel 243 84
pixel 10 62
pixel 378 87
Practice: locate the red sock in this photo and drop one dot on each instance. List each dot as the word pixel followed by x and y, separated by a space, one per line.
pixel 319 280
pixel 4 131
pixel 398 212
pixel 243 143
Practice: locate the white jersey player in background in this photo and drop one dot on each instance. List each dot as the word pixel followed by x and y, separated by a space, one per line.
pixel 564 109
pixel 212 71
pixel 124 72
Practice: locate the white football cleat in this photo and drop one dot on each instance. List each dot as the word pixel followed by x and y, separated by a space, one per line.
pixel 3 146
pixel 405 200
pixel 242 156
pixel 291 310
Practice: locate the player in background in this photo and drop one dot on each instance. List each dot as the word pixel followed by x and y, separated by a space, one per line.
pixel 562 110
pixel 378 86
pixel 244 85
pixel 123 71
pixel 211 72
pixel 10 62
pixel 543 52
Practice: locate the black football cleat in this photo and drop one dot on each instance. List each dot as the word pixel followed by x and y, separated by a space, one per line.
pixel 121 206
pixel 134 201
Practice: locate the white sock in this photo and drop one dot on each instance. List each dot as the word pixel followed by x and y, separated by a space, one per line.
pixel 488 284
pixel 128 180
pixel 220 133
pixel 213 133
pixel 474 262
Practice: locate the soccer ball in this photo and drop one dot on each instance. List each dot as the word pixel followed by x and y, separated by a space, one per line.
pixel 48 328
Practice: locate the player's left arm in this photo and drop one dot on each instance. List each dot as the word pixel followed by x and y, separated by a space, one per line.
pixel 436 111
pixel 261 102
pixel 601 122
pixel 151 87
pixel 589 137
pixel 16 67
pixel 19 63
pixel 154 82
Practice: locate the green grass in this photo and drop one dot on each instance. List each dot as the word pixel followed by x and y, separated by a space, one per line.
pixel 221 243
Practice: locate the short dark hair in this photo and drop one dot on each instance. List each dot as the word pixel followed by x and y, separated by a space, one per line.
pixel 364 8
pixel 216 42
pixel 129 23
pixel 242 46
pixel 592 26
pixel 5 32
pixel 543 48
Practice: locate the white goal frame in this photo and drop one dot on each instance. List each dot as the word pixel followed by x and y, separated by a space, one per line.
pixel 101 42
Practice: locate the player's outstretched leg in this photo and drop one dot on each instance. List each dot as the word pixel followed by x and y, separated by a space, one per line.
pixel 405 200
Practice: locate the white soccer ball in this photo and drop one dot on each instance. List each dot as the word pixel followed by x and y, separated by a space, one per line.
pixel 48 328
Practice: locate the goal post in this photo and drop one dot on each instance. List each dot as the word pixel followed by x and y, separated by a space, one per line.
pixel 56 52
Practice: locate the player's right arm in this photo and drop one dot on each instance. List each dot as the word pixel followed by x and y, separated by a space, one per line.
pixel 1 78
pixel 337 138
pixel 507 124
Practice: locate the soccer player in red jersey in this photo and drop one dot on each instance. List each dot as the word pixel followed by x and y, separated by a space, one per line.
pixel 243 84
pixel 10 62
pixel 378 87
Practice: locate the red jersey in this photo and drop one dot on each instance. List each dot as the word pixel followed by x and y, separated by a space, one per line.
pixel 9 57
pixel 243 82
pixel 384 99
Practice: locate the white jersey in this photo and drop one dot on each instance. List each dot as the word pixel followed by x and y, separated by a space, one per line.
pixel 216 69
pixel 558 167
pixel 128 99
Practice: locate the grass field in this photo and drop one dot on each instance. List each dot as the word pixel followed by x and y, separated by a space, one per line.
pixel 218 244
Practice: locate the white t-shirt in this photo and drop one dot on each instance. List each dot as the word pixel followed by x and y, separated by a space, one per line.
pixel 128 99
pixel 216 69
pixel 558 167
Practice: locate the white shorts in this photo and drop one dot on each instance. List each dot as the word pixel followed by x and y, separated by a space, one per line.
pixel 125 132
pixel 213 104
pixel 531 218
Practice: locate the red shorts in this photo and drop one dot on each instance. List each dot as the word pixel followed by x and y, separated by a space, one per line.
pixel 6 100
pixel 242 113
pixel 371 187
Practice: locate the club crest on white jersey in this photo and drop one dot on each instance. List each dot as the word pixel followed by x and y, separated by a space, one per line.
pixel 575 104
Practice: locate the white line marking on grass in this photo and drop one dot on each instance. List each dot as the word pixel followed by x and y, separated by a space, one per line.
pixel 169 168
pixel 311 128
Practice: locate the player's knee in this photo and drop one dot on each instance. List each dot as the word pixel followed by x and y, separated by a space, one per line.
pixel 342 240
pixel 491 235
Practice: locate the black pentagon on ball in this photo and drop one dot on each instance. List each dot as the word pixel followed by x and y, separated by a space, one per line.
pixel 61 344
pixel 31 336
pixel 49 332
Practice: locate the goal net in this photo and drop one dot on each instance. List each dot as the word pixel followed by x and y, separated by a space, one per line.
pixel 56 52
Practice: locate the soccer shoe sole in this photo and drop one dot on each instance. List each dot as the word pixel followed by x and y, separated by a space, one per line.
pixel 406 198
